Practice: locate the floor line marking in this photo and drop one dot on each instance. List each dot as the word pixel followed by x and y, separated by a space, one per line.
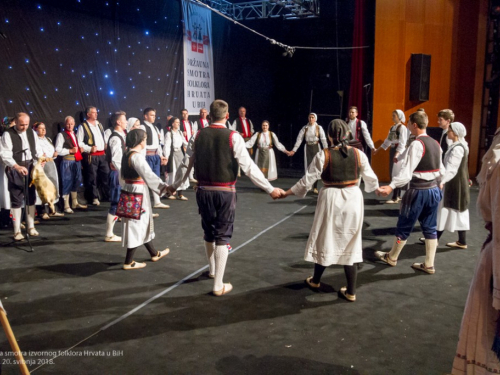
pixel 172 287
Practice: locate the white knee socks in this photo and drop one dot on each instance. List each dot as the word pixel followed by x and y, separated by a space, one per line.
pixel 110 224
pixel 74 199
pixel 209 249
pixel 31 217
pixel 221 253
pixel 397 246
pixel 16 219
pixel 430 252
pixel 156 199
pixel 66 201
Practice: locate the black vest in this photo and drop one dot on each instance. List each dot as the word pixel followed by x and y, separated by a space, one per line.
pixel 17 143
pixel 129 173
pixel 431 159
pixel 457 192
pixel 444 143
pixel 340 170
pixel 214 161
pixel 88 136
pixel 108 149
pixel 150 132
pixel 68 142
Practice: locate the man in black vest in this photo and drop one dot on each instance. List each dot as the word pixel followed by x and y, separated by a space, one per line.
pixel 359 131
pixel 90 136
pixel 154 152
pixel 20 149
pixel 216 152
pixel 114 153
pixel 423 170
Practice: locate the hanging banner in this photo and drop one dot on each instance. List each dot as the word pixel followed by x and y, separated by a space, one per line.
pixel 198 57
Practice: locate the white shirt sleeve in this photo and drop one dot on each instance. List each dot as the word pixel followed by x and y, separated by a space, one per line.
pixel 167 144
pixel 277 143
pixel 116 152
pixel 312 175
pixel 453 161
pixel 322 137
pixel 251 142
pixel 59 145
pixel 7 154
pixel 369 177
pixel 403 138
pixel 366 135
pixel 387 143
pixel 138 162
pixel 300 137
pixel 80 136
pixel 410 162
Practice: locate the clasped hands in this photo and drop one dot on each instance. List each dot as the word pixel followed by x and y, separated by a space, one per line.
pixel 383 191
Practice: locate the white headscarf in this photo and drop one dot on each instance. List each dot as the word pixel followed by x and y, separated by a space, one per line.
pixel 315 118
pixel 459 129
pixel 131 121
pixel 401 115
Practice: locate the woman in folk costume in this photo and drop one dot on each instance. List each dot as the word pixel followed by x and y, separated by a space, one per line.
pixel 396 140
pixel 478 348
pixel 265 158
pixel 133 123
pixel 173 147
pixel 137 177
pixel 453 212
pixel 335 236
pixel 313 134
pixel 71 166
pixel 49 169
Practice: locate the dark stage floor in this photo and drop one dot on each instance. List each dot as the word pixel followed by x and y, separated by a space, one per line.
pixel 72 287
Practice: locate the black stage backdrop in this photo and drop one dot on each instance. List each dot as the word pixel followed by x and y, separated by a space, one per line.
pixel 58 57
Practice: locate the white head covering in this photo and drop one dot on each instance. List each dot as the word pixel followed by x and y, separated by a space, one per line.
pixel 459 129
pixel 131 121
pixel 401 115
pixel 315 118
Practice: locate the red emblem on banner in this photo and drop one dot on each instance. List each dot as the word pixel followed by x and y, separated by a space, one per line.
pixel 200 48
pixel 194 46
pixel 206 41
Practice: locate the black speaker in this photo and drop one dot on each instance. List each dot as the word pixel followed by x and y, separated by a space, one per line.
pixel 420 77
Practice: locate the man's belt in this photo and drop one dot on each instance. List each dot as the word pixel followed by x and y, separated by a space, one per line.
pixel 69 157
pixel 312 143
pixel 231 188
pixel 419 184
pixel 97 153
pixel 264 147
pixel 151 152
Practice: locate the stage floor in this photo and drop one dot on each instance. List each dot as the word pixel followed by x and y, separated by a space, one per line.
pixel 72 291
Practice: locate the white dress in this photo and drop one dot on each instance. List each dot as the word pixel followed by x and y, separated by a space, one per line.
pixel 177 143
pixel 449 219
pixel 479 323
pixel 50 168
pixel 138 232
pixel 335 236
pixel 272 173
pixel 398 143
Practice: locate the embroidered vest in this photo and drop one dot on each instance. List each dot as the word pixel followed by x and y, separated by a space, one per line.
pixel 339 170
pixel 88 137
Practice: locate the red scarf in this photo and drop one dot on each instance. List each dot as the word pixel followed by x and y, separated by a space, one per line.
pixel 78 154
pixel 185 129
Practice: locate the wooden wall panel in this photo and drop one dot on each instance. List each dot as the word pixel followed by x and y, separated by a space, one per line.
pixel 435 27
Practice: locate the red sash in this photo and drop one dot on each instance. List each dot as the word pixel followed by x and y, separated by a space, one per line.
pixel 247 132
pixel 78 154
pixel 190 129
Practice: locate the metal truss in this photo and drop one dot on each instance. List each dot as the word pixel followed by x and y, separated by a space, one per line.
pixel 250 10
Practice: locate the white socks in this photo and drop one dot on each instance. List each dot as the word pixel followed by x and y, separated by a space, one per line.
pixel 397 246
pixel 74 198
pixel 110 223
pixel 31 217
pixel 66 201
pixel 16 219
pixel 430 252
pixel 221 253
pixel 156 199
pixel 209 249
